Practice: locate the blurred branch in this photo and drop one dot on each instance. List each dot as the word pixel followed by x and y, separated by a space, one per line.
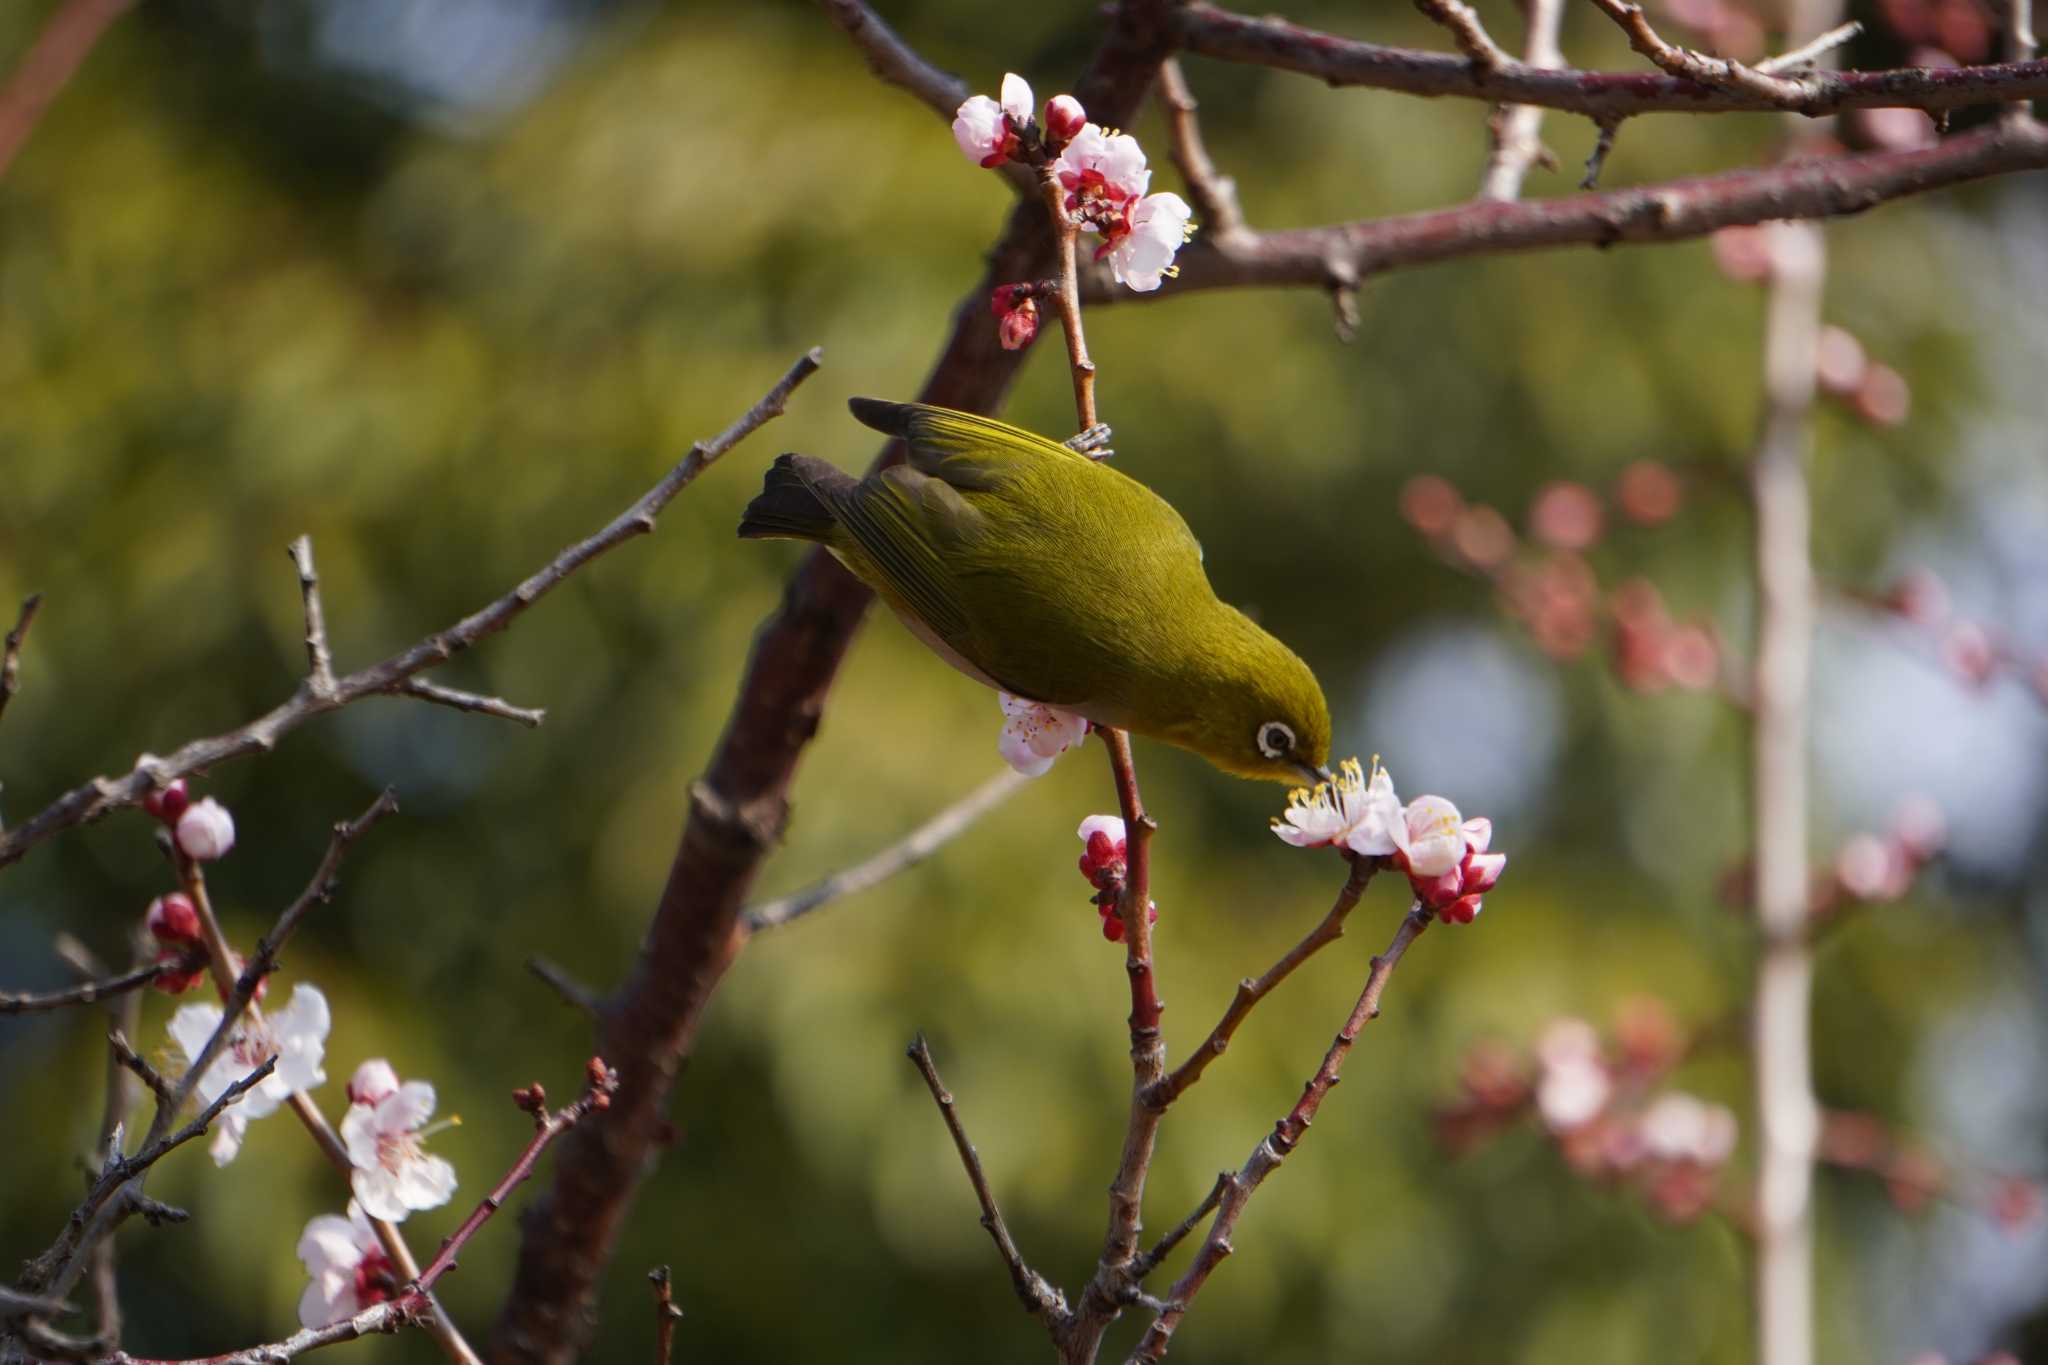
pixel 1721 73
pixel 666 1314
pixel 529 716
pixel 1338 255
pixel 49 64
pixel 86 992
pixel 927 839
pixel 1250 992
pixel 1214 194
pixel 1788 1118
pixel 894 61
pixel 131 1060
pixel 1518 128
pixel 10 654
pixel 1467 32
pixel 1275 1147
pixel 95 798
pixel 1204 28
pixel 1038 1296
pixel 736 811
pixel 572 991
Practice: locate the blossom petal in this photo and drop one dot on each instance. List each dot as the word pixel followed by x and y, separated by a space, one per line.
pixel 377 1190
pixel 407 1107
pixel 1436 836
pixel 426 1182
pixel 359 1135
pixel 1112 825
pixel 978 128
pixel 328 1299
pixel 1017 98
pixel 227 1138
pixel 192 1026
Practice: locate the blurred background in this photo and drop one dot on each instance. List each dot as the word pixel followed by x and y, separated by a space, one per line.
pixel 446 283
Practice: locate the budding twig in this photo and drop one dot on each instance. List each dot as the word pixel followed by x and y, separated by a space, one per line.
pixel 907 852
pixel 1037 1294
pixel 93 799
pixel 87 992
pixel 666 1314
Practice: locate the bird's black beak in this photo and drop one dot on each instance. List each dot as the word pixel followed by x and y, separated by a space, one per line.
pixel 1313 774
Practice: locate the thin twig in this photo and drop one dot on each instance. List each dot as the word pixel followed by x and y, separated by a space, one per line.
pixel 1466 30
pixel 568 987
pixel 125 1015
pixel 424 690
pixel 1178 1233
pixel 1788 1117
pixel 88 992
pixel 1204 28
pixel 1596 160
pixel 1518 128
pixel 1250 992
pixel 907 852
pixel 129 1058
pixel 1275 1146
pixel 319 659
pixel 666 1314
pixel 1722 73
pixel 1808 53
pixel 1037 1294
pixel 1214 194
pixel 10 655
pixel 94 799
pixel 58 51
pixel 1065 232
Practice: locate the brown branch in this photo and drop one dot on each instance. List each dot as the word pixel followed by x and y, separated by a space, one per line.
pixel 414 1305
pixel 51 61
pixel 1809 52
pixel 1250 992
pixel 1327 257
pixel 131 1060
pixel 894 61
pixel 87 992
pixel 1204 28
pixel 1214 194
pixel 1722 73
pixel 737 809
pixel 1066 235
pixel 907 852
pixel 572 991
pixel 10 654
pixel 319 660
pixel 1178 1233
pixel 94 799
pixel 1038 1296
pixel 666 1314
pixel 1518 128
pixel 1466 30
pixel 1275 1147
pixel 422 689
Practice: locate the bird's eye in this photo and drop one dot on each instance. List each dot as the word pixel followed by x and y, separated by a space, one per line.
pixel 1275 740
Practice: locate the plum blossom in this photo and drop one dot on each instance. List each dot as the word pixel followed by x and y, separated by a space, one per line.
pixel 1438 838
pixel 1363 816
pixel 393 1175
pixel 168 803
pixel 1158 226
pixel 206 831
pixel 1682 1127
pixel 1016 313
pixel 296 1035
pixel 987 131
pixel 173 921
pixel 1574 1086
pixel 1103 863
pixel 1035 734
pixel 349 1268
pixel 1102 172
pixel 1064 118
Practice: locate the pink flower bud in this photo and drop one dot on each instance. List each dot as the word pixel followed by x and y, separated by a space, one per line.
pixel 1743 253
pixel 206 831
pixel 1436 837
pixel 173 919
pixel 1567 516
pixel 1019 326
pixel 373 1080
pixel 1483 537
pixel 1839 359
pixel 1430 504
pixel 1884 400
pixel 1064 117
pixel 1649 493
pixel 168 803
pixel 1482 871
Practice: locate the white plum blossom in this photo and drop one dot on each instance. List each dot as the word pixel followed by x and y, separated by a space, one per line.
pixel 296 1035
pixel 984 129
pixel 228 1131
pixel 1099 167
pixel 1574 1086
pixel 1035 734
pixel 393 1175
pixel 1682 1127
pixel 1363 816
pixel 348 1265
pixel 373 1080
pixel 1436 836
pixel 1159 226
pixel 206 831
pixel 1017 99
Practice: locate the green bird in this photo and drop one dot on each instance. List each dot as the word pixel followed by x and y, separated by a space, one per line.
pixel 1034 569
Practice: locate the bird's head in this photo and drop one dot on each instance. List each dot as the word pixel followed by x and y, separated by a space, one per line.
pixel 1264 717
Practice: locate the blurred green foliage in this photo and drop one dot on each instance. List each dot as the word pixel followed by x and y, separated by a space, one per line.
pixel 244 294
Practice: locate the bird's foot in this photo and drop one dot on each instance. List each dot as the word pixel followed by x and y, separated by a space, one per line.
pixel 1094 442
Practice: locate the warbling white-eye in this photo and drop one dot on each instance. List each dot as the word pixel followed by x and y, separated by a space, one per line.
pixel 1037 570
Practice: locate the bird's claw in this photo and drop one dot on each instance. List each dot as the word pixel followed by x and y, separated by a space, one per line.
pixel 1094 442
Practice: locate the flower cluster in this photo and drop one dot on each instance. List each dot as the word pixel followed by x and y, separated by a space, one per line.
pixel 173 921
pixel 295 1035
pixel 1035 734
pixel 1103 172
pixel 203 829
pixel 347 1265
pixel 1444 854
pixel 1103 856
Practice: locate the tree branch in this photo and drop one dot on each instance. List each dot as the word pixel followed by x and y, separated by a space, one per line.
pixel 10 654
pixel 87 992
pixel 1339 254
pixel 1777 92
pixel 1204 28
pixel 1038 1296
pixel 927 839
pixel 1467 32
pixel 1518 128
pixel 1214 194
pixel 737 809
pixel 1275 1146
pixel 51 61
pixel 666 1314
pixel 95 798
pixel 894 61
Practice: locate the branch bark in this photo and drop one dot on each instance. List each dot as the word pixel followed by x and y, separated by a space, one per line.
pixel 1600 95
pixel 1518 128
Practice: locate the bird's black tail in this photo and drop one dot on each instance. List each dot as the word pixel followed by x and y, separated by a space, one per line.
pixel 788 507
pixel 891 419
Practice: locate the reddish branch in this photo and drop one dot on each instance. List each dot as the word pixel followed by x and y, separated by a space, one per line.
pixel 414 1304
pixel 1601 95
pixel 1336 256
pixel 318 694
pixel 666 1314
pixel 51 61
pixel 737 808
pixel 1275 1146
pixel 87 992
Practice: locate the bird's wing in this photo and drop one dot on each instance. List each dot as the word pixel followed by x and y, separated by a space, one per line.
pixel 970 453
pixel 900 519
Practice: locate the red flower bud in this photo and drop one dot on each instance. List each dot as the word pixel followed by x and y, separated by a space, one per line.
pixel 1064 117
pixel 168 803
pixel 173 919
pixel 1019 326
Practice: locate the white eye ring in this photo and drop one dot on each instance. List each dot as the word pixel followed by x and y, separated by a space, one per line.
pixel 1276 740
